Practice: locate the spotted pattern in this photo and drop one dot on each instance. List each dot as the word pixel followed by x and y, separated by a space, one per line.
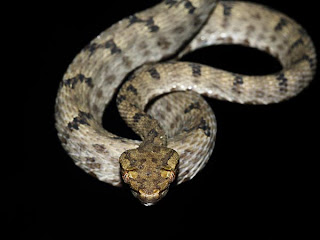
pixel 281 24
pixel 80 78
pixel 82 119
pixel 154 73
pixel 178 130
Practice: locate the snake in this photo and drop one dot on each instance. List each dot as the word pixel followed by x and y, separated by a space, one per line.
pixel 137 60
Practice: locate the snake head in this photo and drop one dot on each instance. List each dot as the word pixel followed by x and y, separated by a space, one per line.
pixel 149 171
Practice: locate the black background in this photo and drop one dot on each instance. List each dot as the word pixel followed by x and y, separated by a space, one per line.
pixel 260 177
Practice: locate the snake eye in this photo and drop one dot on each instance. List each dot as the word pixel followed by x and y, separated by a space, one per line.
pixel 168 174
pixel 172 176
pixel 126 177
pixel 129 175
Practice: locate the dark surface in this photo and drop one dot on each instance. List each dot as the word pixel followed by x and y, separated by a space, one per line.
pixel 259 179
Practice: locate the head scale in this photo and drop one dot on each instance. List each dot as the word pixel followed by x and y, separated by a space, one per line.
pixel 149 171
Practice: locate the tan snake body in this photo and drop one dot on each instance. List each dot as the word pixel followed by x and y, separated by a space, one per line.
pixel 179 130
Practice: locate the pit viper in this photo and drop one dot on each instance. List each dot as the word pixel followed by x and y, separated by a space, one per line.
pixel 161 97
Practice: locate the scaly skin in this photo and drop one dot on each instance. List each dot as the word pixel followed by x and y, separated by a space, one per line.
pixel 179 132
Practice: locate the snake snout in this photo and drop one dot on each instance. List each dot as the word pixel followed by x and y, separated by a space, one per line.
pixel 150 198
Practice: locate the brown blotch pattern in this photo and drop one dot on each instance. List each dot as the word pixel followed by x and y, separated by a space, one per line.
pixel 81 119
pixel 163 43
pixel 127 62
pixel 256 16
pixel 99 93
pixel 251 29
pixel 91 163
pixel 110 78
pixel 178 30
pixel 99 148
pixel 80 78
pixel 143 45
pixel 246 42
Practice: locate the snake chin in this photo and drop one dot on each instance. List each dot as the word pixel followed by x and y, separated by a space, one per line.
pixel 149 199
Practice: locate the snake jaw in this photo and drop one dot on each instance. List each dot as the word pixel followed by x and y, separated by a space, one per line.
pixel 149 199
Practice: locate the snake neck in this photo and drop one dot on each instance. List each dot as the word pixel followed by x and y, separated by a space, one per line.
pixel 155 137
pixel 148 128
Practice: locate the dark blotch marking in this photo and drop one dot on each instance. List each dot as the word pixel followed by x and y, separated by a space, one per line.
pixel 295 44
pixel 306 58
pixel 283 82
pixel 195 105
pixel 132 89
pixel 81 119
pixel 91 160
pixel 137 117
pixel 133 19
pixel 238 80
pixel 150 24
pixel 117 138
pixel 282 23
pixel 91 163
pixel 196 69
pixel 229 40
pixel 203 125
pixel 143 45
pixel 303 32
pixel 187 4
pixel 273 38
pixel 133 105
pixel 64 138
pixel 120 98
pixel 146 53
pixel 131 77
pixel 311 61
pixel 153 134
pixel 246 42
pixel 170 2
pixel 93 174
pixel 112 46
pixel 92 47
pixel 197 20
pixel 99 93
pixel 256 16
pixel 72 82
pixel 127 62
pixel 99 148
pixel 154 73
pixel 178 30
pixel 95 108
pixel 251 28
pixel 110 78
pixel 163 43
pixel 166 158
pixel 156 149
pixel 226 9
pixel 268 50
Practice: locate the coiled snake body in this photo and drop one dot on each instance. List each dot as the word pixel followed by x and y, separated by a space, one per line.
pixel 178 132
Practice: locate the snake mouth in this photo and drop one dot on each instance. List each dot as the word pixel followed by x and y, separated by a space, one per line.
pixel 149 199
